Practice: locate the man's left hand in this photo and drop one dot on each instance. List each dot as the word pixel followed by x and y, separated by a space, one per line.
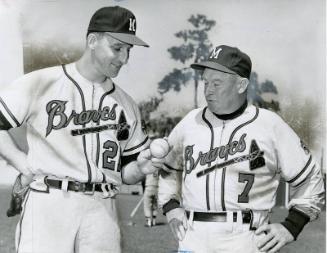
pixel 273 237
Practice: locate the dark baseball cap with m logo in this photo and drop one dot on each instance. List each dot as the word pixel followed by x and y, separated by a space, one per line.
pixel 227 59
pixel 117 21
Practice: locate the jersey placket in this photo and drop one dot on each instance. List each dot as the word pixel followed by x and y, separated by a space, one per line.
pixel 89 137
pixel 82 88
pixel 216 171
pixel 90 89
pixel 92 125
pixel 95 137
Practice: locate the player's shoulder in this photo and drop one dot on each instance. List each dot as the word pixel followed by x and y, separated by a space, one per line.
pixel 270 118
pixel 194 114
pixel 124 96
pixel 48 73
pixel 36 79
pixel 42 76
pixel 267 114
pixel 125 100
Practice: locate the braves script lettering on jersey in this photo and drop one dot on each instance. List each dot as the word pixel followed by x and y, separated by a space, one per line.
pixel 58 108
pixel 236 165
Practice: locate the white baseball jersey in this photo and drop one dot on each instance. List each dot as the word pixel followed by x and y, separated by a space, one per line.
pixel 75 128
pixel 244 158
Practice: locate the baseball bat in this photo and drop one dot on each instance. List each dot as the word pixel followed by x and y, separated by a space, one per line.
pixel 136 207
pixel 251 156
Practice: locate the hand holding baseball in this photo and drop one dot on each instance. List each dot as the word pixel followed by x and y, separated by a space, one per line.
pixel 159 148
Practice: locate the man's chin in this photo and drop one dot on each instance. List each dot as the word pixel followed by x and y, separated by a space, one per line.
pixel 212 108
pixel 113 74
pixel 215 110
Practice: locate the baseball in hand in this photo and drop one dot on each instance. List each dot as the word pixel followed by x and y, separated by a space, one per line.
pixel 159 148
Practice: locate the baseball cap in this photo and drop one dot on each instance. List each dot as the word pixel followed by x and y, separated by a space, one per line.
pixel 227 59
pixel 119 22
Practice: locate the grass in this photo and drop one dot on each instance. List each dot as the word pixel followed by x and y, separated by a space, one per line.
pixel 158 239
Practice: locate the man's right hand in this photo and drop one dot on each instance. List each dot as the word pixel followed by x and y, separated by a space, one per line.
pixel 177 221
pixel 26 179
pixel 18 194
pixel 155 164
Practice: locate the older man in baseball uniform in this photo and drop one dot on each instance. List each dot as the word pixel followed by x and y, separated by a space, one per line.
pixel 85 138
pixel 226 164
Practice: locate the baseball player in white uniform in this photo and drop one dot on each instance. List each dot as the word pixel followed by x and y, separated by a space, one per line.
pixel 225 166
pixel 150 203
pixel 85 138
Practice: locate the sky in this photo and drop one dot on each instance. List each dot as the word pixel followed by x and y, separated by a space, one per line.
pixel 285 39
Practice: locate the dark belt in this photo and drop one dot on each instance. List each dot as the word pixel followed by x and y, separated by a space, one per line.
pixel 76 186
pixel 220 216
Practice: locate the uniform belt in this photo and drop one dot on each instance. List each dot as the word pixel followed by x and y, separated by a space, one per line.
pixel 75 186
pixel 220 216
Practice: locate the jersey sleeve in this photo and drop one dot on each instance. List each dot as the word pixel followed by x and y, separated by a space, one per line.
pixel 170 180
pixel 174 160
pixel 169 187
pixel 299 168
pixel 138 140
pixel 16 101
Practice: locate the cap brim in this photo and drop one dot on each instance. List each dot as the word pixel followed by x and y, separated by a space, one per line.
pixel 212 65
pixel 129 39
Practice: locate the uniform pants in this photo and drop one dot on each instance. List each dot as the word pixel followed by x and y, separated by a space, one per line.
pixel 219 237
pixel 68 222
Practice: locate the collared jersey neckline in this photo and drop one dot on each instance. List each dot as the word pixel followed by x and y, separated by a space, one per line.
pixel 234 114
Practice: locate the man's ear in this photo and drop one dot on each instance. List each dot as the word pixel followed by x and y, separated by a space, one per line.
pixel 92 41
pixel 242 85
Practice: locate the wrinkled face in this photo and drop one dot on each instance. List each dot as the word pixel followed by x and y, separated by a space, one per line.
pixel 109 55
pixel 221 91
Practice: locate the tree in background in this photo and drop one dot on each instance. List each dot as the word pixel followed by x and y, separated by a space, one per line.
pixel 196 47
pixel 256 92
pixel 147 107
pixel 159 126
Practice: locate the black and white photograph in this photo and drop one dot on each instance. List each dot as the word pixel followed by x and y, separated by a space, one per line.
pixel 162 126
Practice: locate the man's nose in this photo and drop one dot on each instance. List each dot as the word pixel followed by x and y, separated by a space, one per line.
pixel 209 88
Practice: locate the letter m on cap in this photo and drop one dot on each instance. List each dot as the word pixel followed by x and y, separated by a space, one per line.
pixel 215 53
pixel 132 24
